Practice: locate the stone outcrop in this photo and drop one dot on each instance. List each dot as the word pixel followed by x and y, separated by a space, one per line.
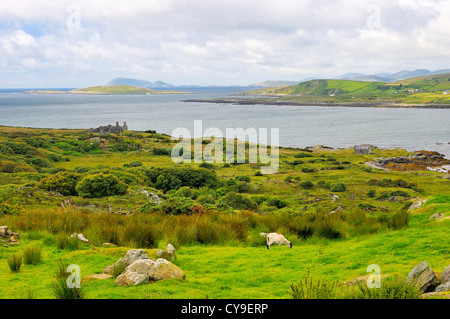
pixel 423 276
pixel 420 160
pixel 169 253
pixel 8 237
pixel 140 269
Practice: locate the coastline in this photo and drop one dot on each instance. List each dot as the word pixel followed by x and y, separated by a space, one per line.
pixel 234 101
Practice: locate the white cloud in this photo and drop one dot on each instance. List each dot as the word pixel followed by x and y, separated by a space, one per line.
pixel 221 41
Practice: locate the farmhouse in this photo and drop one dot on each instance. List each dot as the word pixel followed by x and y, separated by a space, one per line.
pixel 363 149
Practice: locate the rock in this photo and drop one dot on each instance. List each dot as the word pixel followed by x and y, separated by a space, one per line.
pixel 142 266
pixel 169 253
pixel 131 256
pixel 437 216
pixel 424 276
pixel 164 269
pixel 131 278
pixel 435 294
pixel 443 287
pixel 90 278
pixel 445 275
pixel 417 204
pixel 80 237
pixel 134 254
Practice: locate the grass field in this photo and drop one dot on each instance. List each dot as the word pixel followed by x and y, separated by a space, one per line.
pixel 215 226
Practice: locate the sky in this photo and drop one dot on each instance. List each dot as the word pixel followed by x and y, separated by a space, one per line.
pixel 76 43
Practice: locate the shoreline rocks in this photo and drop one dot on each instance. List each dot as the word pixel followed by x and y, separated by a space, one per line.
pixel 420 160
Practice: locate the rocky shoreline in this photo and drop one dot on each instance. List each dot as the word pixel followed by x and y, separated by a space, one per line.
pixel 250 101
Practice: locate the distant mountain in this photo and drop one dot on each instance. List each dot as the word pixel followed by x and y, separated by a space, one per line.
pixel 274 83
pixel 139 83
pixel 390 78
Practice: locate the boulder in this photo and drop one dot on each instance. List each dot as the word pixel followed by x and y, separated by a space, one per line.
pixel 417 204
pixel 424 276
pixel 142 266
pixel 436 216
pixel 164 269
pixel 169 253
pixel 443 287
pixel 445 275
pixel 131 278
pixel 131 256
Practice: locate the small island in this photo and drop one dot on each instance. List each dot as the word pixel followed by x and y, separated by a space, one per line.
pixel 107 90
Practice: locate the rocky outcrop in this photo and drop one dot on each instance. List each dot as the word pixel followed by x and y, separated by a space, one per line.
pixel 169 253
pixel 140 269
pixel 423 276
pixel 8 237
pixel 420 160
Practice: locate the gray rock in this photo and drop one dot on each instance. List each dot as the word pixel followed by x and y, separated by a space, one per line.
pixel 443 287
pixel 131 278
pixel 164 269
pixel 424 276
pixel 130 257
pixel 142 266
pixel 445 275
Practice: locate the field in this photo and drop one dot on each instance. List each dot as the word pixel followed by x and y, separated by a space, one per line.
pixel 211 213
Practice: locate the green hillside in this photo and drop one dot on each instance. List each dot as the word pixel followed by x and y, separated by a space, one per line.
pixel 114 89
pixel 420 90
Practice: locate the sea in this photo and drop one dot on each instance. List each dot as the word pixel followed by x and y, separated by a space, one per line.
pixel 299 126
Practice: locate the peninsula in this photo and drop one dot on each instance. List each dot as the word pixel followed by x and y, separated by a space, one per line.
pixel 107 89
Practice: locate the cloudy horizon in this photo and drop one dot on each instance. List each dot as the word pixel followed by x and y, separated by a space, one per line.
pixel 74 43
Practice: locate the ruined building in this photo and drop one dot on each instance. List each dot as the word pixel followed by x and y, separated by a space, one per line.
pixel 117 129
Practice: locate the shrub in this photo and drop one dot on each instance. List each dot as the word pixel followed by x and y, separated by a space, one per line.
pixel 306 185
pixel 277 202
pixel 310 288
pixel 399 193
pixel 177 205
pixel 173 178
pixel 339 187
pixel 101 185
pixel 303 155
pixel 7 209
pixel 32 255
pixel 391 288
pixel 258 173
pixel 329 228
pixel 237 201
pixel 133 164
pixel 62 182
pixel 308 170
pixel 162 151
pixel 184 192
pixel 372 193
pixel 15 262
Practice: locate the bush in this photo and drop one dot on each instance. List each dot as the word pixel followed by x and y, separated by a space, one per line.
pixel 237 201
pixel 308 170
pixel 177 205
pixel 339 187
pixel 399 193
pixel 306 185
pixel 167 179
pixel 133 164
pixel 32 255
pixel 162 151
pixel 15 262
pixel 372 193
pixel 310 288
pixel 391 288
pixel 62 182
pixel 101 185
pixel 277 202
pixel 303 155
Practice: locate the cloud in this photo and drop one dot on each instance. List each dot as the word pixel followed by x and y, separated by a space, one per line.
pixel 75 43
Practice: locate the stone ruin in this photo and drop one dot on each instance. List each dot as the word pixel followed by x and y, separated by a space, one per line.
pixel 117 129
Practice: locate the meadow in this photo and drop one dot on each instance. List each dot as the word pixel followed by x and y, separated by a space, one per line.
pixel 340 214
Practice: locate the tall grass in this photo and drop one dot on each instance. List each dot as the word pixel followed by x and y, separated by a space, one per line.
pixel 65 242
pixel 310 288
pixel 32 255
pixel 15 262
pixel 60 288
pixel 391 288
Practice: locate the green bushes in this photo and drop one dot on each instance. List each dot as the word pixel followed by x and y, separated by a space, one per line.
pixel 101 185
pixel 177 205
pixel 167 179
pixel 162 151
pixel 310 288
pixel 306 185
pixel 339 187
pixel 391 288
pixel 237 201
pixel 62 182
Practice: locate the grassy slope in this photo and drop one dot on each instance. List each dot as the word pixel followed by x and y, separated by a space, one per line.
pixel 431 88
pixel 241 271
pixel 247 272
